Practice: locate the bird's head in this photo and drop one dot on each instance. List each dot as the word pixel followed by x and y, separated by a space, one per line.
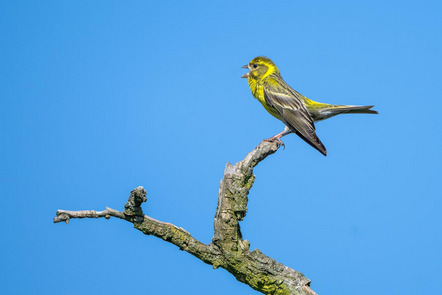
pixel 259 68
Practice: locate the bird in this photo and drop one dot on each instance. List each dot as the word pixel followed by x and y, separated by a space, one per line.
pixel 296 111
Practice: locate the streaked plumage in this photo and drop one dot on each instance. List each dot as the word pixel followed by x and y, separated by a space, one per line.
pixel 284 103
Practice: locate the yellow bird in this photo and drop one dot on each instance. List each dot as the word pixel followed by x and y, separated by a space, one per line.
pixel 295 110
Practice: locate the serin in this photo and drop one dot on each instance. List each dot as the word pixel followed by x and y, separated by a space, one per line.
pixel 295 110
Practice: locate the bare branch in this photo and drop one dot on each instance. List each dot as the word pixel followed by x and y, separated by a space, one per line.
pixel 227 250
pixel 171 233
pixel 66 215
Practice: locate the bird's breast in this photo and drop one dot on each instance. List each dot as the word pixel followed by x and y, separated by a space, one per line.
pixel 258 92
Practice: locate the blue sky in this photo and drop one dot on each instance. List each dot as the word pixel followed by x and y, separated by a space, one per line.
pixel 99 97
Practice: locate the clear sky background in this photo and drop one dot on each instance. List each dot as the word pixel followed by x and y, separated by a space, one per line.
pixel 99 97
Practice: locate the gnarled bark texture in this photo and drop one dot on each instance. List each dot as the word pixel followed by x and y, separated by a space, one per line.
pixel 228 249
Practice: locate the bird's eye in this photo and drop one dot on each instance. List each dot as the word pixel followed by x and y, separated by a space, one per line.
pixel 254 66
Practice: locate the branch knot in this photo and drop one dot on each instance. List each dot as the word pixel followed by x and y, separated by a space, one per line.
pixel 133 205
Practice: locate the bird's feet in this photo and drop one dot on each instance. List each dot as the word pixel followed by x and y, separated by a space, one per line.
pixel 277 139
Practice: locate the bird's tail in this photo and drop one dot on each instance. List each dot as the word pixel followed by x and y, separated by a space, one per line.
pixel 343 109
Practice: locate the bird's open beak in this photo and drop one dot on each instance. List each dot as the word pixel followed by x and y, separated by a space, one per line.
pixel 246 75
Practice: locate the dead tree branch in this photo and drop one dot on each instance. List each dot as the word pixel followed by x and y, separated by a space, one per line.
pixel 228 250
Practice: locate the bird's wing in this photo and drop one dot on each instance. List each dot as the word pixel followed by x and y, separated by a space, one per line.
pixel 285 100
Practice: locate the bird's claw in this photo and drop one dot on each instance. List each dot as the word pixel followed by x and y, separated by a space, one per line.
pixel 278 141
